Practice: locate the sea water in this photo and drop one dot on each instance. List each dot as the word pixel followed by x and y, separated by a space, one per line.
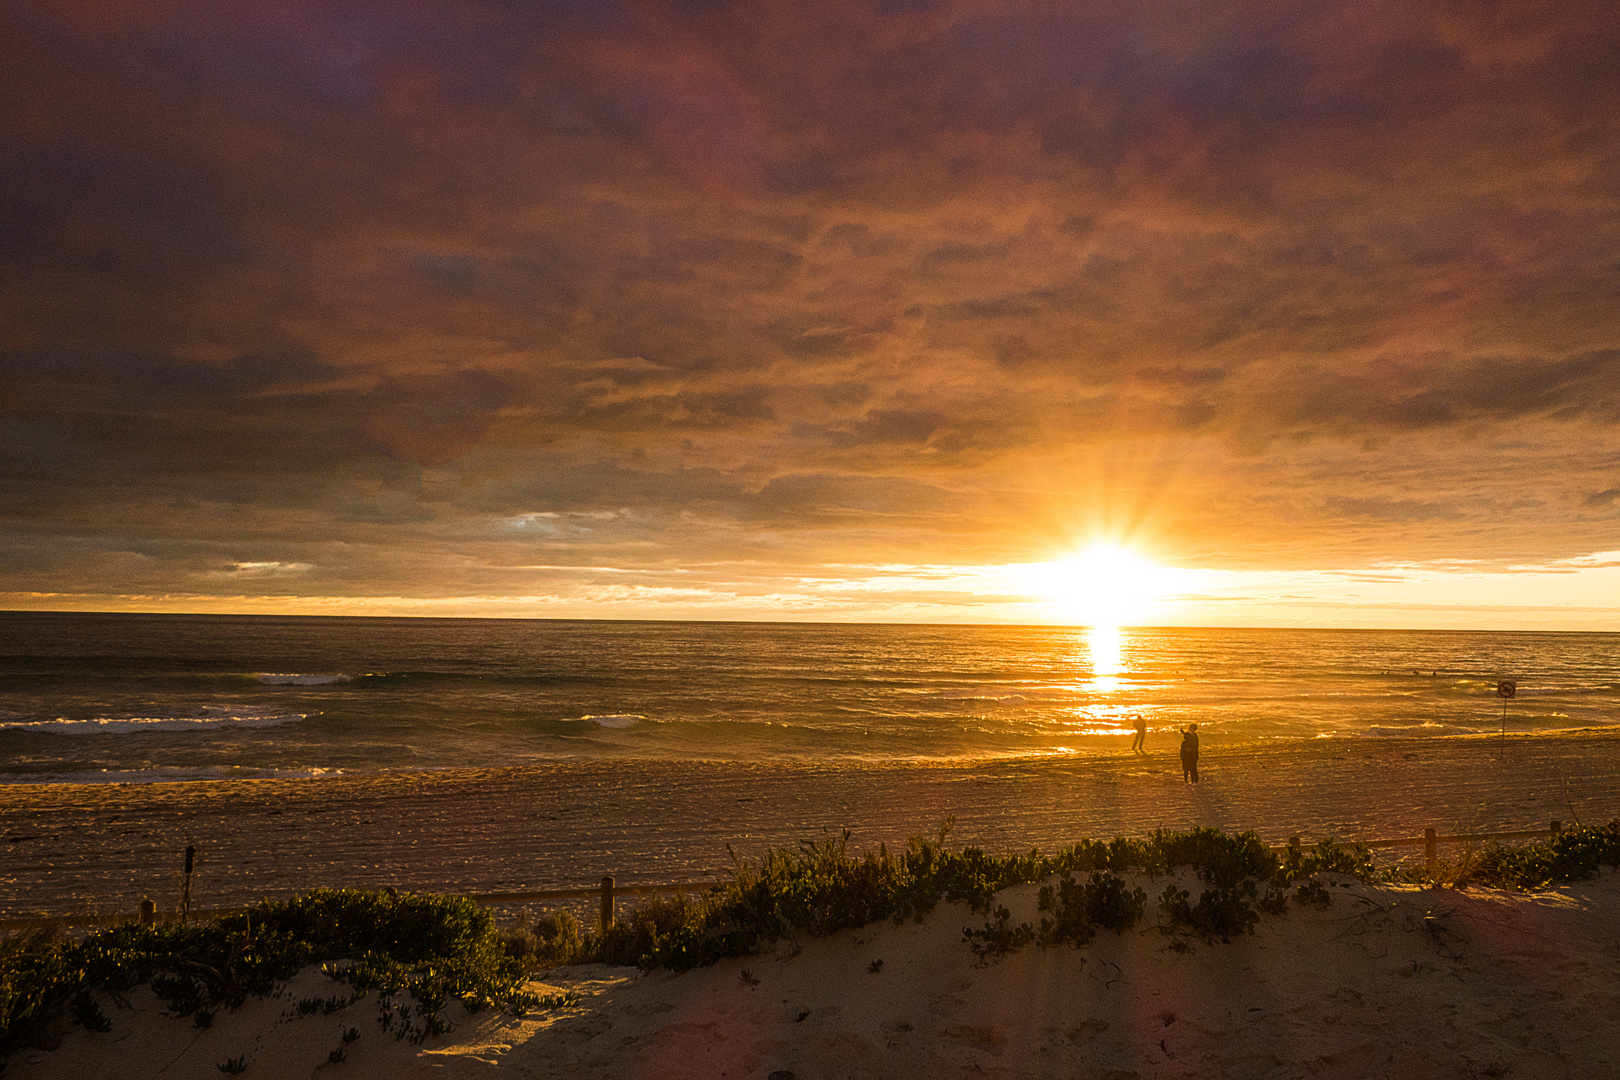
pixel 88 698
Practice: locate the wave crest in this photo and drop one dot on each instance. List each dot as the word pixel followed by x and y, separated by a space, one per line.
pixel 1417 731
pixel 167 774
pixel 129 725
pixel 623 720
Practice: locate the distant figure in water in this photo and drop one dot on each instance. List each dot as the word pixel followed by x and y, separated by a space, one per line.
pixel 1141 735
pixel 1189 755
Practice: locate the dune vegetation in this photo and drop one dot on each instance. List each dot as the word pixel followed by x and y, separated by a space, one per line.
pixel 418 952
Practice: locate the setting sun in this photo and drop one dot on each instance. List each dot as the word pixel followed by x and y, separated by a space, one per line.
pixel 1106 585
pixel 1145 433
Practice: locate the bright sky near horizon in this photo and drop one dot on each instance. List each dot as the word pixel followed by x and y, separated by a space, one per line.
pixel 1308 312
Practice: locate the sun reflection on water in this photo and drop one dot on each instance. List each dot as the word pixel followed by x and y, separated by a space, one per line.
pixel 1107 658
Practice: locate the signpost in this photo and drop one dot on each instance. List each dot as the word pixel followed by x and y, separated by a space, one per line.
pixel 1505 689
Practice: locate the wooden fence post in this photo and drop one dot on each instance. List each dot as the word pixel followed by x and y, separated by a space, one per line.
pixel 185 890
pixel 1557 827
pixel 148 912
pixel 1430 853
pixel 1293 844
pixel 607 904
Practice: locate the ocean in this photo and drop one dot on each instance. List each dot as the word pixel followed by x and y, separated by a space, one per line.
pixel 96 698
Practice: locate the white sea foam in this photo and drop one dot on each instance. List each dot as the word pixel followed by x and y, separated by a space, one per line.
pixel 273 679
pixel 992 697
pixel 1417 731
pixel 619 721
pixel 167 774
pixel 125 725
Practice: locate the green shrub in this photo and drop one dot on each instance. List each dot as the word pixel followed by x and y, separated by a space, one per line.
pixel 550 939
pixel 1573 855
pixel 1219 913
pixel 87 1014
pixel 1329 857
pixel 1220 859
pixel 1274 901
pixel 1066 904
pixel 1079 907
pixel 405 926
pixel 818 888
pixel 998 937
pixel 679 932
pixel 1119 853
pixel 1313 894
pixel 442 946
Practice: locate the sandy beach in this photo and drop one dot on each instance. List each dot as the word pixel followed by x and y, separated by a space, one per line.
pixel 1389 981
pixel 89 848
pixel 1386 982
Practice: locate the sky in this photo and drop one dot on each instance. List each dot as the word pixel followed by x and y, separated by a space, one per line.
pixel 832 311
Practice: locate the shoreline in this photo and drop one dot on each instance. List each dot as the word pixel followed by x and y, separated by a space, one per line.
pixel 1213 740
pixel 82 847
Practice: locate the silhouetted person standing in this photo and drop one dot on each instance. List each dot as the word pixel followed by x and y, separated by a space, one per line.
pixel 1141 735
pixel 1189 755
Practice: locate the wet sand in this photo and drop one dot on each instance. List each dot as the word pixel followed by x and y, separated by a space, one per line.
pixel 100 848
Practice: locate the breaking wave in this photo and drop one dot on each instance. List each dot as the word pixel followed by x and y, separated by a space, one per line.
pixel 165 775
pixel 982 696
pixel 130 725
pixel 1424 730
pixel 616 721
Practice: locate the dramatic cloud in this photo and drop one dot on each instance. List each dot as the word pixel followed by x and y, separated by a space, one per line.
pixel 432 300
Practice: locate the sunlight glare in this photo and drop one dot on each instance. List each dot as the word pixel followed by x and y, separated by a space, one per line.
pixel 1107 586
pixel 1104 643
pixel 1107 658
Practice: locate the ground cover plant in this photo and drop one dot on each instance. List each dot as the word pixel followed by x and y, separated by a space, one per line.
pixel 417 951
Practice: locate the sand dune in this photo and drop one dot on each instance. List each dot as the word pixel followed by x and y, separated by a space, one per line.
pixel 1387 982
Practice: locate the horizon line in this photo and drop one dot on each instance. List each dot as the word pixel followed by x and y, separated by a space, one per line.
pixel 805 622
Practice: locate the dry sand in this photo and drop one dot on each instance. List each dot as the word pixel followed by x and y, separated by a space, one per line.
pixel 1387 982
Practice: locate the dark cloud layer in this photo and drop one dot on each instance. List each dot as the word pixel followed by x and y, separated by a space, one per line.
pixel 347 298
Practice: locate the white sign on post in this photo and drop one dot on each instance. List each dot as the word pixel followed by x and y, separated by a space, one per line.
pixel 1505 689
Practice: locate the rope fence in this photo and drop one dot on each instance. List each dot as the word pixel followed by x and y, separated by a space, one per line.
pixel 608 892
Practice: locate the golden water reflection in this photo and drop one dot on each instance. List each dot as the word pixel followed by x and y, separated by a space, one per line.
pixel 1107 658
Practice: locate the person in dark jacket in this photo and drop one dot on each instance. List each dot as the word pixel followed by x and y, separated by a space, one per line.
pixel 1189 754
